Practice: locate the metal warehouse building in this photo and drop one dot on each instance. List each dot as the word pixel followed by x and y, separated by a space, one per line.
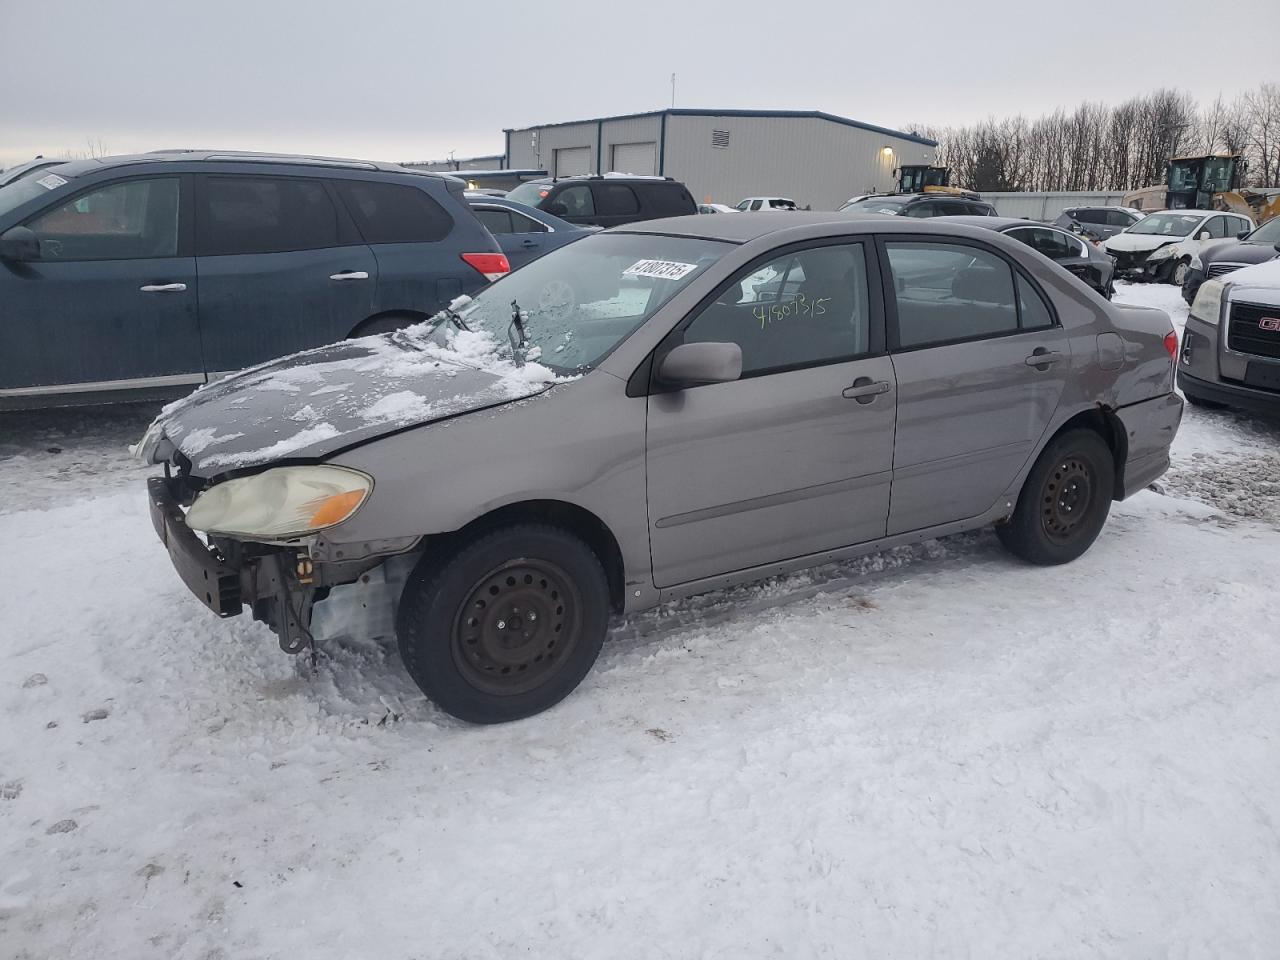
pixel 815 158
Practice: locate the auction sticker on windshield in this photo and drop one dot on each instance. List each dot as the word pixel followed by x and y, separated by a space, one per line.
pixel 659 269
pixel 51 181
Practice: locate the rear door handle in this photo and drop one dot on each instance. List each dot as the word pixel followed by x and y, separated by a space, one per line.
pixel 350 275
pixel 865 390
pixel 528 243
pixel 1040 357
pixel 163 288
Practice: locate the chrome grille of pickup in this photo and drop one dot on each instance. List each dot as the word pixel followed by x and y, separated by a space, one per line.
pixel 1254 329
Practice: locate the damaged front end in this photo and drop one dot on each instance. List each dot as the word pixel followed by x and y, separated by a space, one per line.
pixel 302 585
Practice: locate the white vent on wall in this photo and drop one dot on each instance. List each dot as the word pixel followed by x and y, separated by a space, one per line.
pixel 720 139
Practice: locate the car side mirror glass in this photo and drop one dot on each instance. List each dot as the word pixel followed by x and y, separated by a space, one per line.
pixel 692 364
pixel 557 209
pixel 19 244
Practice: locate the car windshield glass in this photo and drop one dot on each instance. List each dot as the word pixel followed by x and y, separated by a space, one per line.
pixel 1269 232
pixel 530 194
pixel 579 302
pixel 875 205
pixel 1167 224
pixel 19 192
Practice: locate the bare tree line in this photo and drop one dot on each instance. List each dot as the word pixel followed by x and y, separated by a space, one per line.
pixel 1099 147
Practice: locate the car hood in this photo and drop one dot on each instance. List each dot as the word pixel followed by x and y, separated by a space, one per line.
pixel 1256 284
pixel 312 404
pixel 1138 242
pixel 1239 251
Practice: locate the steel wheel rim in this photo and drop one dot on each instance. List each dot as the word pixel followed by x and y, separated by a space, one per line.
pixel 1066 498
pixel 1180 273
pixel 517 627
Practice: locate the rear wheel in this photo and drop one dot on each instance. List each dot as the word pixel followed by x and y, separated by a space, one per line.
pixel 1064 502
pixel 507 626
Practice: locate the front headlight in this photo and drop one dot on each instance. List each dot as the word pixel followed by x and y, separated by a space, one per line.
pixel 1208 302
pixel 280 504
pixel 1196 262
pixel 1163 253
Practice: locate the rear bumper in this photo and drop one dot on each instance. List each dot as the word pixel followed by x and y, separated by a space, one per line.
pixel 1231 394
pixel 214 583
pixel 1149 427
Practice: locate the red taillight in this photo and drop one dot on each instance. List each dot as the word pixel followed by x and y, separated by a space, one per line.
pixel 492 265
pixel 1171 343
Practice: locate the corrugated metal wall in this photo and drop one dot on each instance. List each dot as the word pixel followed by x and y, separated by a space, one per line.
pixel 813 161
pixel 525 155
pixel 1047 206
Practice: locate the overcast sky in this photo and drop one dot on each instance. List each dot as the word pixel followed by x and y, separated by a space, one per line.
pixel 401 80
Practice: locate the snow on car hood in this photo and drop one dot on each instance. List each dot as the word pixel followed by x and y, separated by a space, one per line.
pixel 1138 242
pixel 313 403
pixel 1257 284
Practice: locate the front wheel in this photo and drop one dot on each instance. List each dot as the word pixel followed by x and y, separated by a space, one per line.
pixel 1180 269
pixel 1064 502
pixel 507 626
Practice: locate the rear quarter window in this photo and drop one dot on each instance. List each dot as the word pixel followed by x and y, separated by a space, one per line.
pixel 394 212
pixel 668 199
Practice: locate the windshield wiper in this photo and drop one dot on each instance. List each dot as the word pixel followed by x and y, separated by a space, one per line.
pixel 520 338
pixel 451 313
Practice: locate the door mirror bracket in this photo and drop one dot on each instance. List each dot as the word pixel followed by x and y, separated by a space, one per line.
pixel 19 245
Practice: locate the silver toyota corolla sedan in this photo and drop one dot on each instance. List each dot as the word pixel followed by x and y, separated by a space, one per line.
pixel 651 412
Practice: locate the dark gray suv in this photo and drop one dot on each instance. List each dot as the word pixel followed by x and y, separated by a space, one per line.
pixel 133 277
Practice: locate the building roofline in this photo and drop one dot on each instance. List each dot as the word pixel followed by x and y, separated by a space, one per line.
pixel 784 114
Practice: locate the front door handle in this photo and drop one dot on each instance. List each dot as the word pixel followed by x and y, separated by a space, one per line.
pixel 1041 358
pixel 350 275
pixel 164 288
pixel 865 390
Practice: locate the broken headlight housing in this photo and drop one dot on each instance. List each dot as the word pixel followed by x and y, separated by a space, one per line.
pixel 283 503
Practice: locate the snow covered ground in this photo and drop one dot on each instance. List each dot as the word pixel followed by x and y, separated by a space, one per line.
pixel 935 751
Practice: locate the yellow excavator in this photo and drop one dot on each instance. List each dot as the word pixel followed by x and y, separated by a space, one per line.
pixel 1208 182
pixel 922 178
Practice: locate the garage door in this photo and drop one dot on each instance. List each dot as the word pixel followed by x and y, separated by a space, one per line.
pixel 638 158
pixel 573 161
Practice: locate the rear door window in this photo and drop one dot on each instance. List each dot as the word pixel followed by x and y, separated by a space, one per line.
pixel 921 210
pixel 394 212
pixel 948 292
pixel 668 199
pixel 616 200
pixel 133 219
pixel 495 220
pixel 1052 243
pixel 238 215
pixel 576 200
pixel 1118 218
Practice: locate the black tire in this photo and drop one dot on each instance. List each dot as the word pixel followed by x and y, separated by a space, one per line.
pixel 1179 278
pixel 1064 502
pixel 385 324
pixel 540 600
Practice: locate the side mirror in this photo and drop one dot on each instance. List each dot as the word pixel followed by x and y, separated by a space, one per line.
pixel 1243 234
pixel 691 364
pixel 557 209
pixel 19 244
pixel 1202 235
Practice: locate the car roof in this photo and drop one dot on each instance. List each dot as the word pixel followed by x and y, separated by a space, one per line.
pixel 623 177
pixel 755 224
pixel 76 168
